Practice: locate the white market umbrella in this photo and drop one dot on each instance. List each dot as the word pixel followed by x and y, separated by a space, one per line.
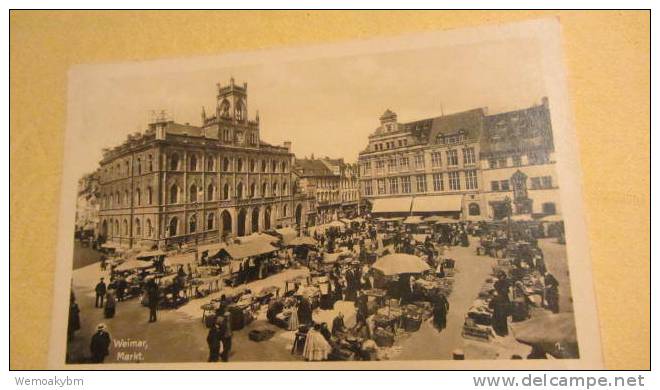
pixel 400 263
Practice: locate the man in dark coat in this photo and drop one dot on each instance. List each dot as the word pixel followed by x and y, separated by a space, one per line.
pixel 225 336
pixel 74 317
pixel 213 340
pixel 100 344
pixel 551 292
pixel 502 285
pixel 440 310
pixel 500 307
pixel 100 289
pixel 304 311
pixel 152 291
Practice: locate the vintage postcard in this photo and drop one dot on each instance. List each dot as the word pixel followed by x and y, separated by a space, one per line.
pixel 396 203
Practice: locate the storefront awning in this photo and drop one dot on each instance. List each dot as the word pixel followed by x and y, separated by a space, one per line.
pixel 392 205
pixel 248 249
pixel 147 255
pixel 413 220
pixel 440 203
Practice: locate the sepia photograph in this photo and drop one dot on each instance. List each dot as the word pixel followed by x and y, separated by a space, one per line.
pixel 371 203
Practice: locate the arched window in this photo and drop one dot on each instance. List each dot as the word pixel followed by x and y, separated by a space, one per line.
pixel 210 192
pixel 124 229
pixel 192 224
pixel 138 228
pixel 240 111
pixel 116 227
pixel 239 165
pixel 193 163
pixel 224 108
pixel 127 168
pixel 285 189
pixel 226 190
pixel 138 197
pixel 473 209
pixel 264 190
pixel 174 162
pixel 210 221
pixel 117 202
pixel 285 210
pixel 193 194
pixel 174 225
pixel 148 228
pixel 263 165
pixel 150 163
pixel 253 165
pixel 283 166
pixel 275 188
pixel 150 195
pixel 225 164
pixel 127 199
pixel 253 190
pixel 139 166
pixel 210 163
pixel 174 194
pixel 274 166
pixel 239 190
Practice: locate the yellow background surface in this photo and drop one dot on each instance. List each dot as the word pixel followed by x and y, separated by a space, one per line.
pixel 608 65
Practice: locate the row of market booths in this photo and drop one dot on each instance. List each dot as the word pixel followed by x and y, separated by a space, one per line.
pixel 202 270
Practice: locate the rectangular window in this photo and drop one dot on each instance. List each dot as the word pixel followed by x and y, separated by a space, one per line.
pixel 367 168
pixel 391 165
pixel 380 165
pixel 471 179
pixel 381 186
pixel 405 184
pixel 468 156
pixel 454 181
pixel 517 161
pixel 536 183
pixel 394 185
pixel 419 161
pixel 502 163
pixel 452 158
pixel 421 183
pixel 495 185
pixel 492 163
pixel 547 181
pixel 504 185
pixel 438 185
pixel 367 188
pixel 404 163
pixel 436 159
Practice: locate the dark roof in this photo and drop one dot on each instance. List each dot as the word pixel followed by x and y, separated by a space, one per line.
pixel 181 129
pixel 469 123
pixel 518 131
pixel 312 167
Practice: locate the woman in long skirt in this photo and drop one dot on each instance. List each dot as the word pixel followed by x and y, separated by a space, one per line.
pixel 440 309
pixel 293 319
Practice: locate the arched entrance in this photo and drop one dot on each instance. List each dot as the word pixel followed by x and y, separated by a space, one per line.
pixel 267 218
pixel 242 216
pixel 255 220
pixel 174 223
pixel 299 215
pixel 226 223
pixel 104 230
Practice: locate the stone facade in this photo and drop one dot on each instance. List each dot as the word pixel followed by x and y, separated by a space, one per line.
pixel 459 157
pixel 177 183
